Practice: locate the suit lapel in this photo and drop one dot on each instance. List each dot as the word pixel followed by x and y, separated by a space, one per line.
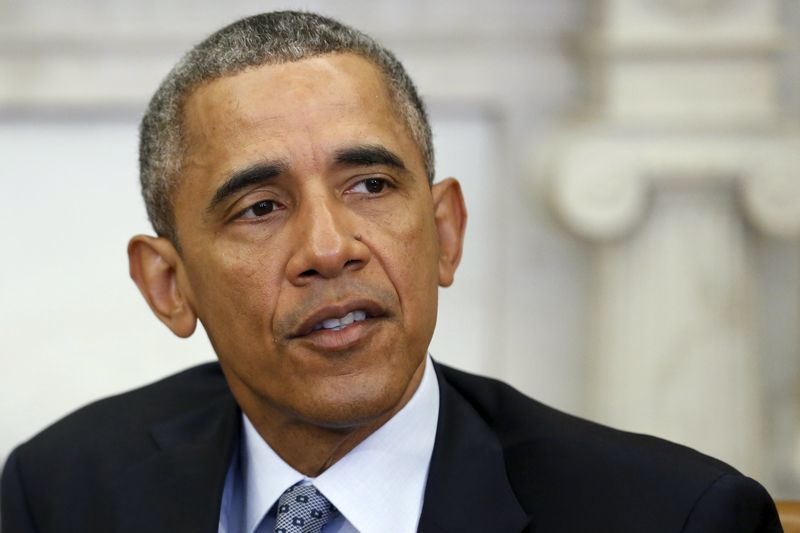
pixel 179 487
pixel 468 489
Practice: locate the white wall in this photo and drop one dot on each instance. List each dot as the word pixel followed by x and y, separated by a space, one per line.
pixel 73 326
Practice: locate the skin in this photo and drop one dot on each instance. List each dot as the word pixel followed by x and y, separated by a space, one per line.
pixel 311 236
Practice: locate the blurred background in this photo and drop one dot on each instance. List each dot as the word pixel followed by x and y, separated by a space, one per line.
pixel 631 167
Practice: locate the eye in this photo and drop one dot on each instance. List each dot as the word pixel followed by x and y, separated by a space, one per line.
pixel 259 209
pixel 370 186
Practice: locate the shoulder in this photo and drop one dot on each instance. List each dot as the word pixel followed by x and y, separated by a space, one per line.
pixel 124 416
pixel 524 424
pixel 572 471
pixel 116 430
pixel 71 471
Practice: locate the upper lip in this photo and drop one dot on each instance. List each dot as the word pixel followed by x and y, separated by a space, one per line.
pixel 371 307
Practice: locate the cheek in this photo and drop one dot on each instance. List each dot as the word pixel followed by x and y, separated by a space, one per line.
pixel 238 294
pixel 410 256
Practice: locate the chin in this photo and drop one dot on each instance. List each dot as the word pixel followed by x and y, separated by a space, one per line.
pixel 353 403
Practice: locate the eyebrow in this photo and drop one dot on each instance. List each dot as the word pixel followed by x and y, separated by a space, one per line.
pixel 368 155
pixel 260 173
pixel 257 174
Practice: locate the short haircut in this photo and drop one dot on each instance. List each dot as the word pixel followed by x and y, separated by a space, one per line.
pixel 266 39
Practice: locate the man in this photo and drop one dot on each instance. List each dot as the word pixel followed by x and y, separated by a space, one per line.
pixel 287 168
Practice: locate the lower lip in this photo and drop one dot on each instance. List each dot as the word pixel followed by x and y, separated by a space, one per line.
pixel 339 339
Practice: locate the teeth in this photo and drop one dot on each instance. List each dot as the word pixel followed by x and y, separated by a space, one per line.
pixel 330 323
pixel 338 323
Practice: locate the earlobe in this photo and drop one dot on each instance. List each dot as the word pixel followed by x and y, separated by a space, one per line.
pixel 154 267
pixel 450 215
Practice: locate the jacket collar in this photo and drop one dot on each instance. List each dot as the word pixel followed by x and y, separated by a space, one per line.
pixel 468 489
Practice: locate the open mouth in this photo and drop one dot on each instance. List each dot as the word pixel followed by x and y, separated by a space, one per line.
pixel 339 317
pixel 342 322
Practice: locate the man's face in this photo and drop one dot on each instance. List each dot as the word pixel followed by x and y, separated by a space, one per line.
pixel 309 242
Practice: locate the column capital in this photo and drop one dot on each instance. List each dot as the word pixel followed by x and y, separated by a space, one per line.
pixel 599 191
pixel 602 179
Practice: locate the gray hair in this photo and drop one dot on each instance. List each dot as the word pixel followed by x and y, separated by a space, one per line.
pixel 265 39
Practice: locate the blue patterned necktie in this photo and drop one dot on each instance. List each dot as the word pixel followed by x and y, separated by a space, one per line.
pixel 303 509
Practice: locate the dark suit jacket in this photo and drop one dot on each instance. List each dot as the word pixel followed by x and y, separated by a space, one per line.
pixel 155 460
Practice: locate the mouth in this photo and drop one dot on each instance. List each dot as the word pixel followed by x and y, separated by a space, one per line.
pixel 339 317
pixel 336 324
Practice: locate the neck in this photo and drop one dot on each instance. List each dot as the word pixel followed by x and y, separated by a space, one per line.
pixel 311 450
pixel 313 447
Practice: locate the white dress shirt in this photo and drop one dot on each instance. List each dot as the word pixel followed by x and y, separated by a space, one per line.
pixel 378 486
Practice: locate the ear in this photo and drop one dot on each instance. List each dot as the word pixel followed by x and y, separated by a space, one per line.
pixel 156 267
pixel 450 215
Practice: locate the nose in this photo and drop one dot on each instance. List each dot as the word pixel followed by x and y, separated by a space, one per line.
pixel 328 241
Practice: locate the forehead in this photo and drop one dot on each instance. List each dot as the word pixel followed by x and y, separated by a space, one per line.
pixel 301 80
pixel 315 99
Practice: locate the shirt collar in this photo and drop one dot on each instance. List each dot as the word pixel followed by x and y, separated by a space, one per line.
pixel 378 482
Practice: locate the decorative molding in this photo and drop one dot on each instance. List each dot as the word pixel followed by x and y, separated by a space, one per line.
pixel 599 191
pixel 447 68
pixel 114 52
pixel 601 182
pixel 659 23
pixel 691 8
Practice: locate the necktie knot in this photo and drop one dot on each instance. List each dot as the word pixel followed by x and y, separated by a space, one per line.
pixel 303 509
